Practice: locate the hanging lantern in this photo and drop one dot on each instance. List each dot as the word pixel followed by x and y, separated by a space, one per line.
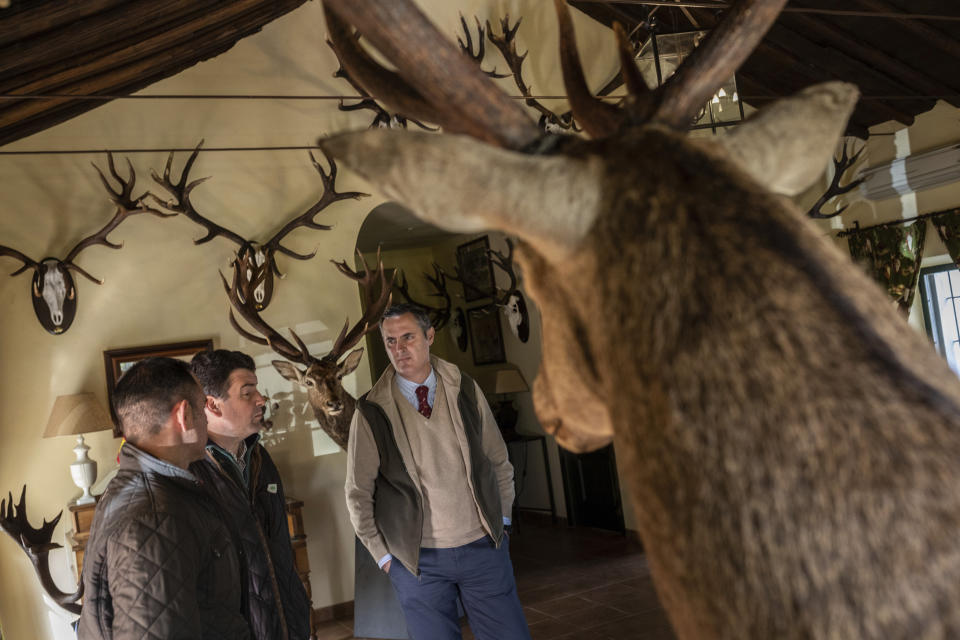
pixel 660 56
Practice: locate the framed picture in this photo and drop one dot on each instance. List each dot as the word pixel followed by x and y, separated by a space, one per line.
pixel 117 361
pixel 476 272
pixel 485 335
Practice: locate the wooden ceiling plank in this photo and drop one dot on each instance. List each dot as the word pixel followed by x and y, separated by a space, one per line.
pixel 910 79
pixel 105 33
pixel 930 35
pixel 55 76
pixel 17 26
pixel 29 116
pixel 798 53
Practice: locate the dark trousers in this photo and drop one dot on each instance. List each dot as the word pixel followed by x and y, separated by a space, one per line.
pixel 480 574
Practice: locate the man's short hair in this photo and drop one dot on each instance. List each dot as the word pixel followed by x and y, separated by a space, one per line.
pixel 146 394
pixel 419 314
pixel 213 369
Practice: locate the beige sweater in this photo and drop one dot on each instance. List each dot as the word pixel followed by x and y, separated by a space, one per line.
pixel 450 514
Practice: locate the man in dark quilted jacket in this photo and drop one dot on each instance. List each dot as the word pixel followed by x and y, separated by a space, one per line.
pixel 239 473
pixel 160 561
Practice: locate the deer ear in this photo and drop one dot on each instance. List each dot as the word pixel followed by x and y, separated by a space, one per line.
pixel 462 185
pixel 287 370
pixel 787 145
pixel 351 362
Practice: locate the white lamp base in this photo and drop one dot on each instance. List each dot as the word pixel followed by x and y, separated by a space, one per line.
pixel 83 471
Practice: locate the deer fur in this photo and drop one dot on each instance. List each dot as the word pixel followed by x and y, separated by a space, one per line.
pixel 792 446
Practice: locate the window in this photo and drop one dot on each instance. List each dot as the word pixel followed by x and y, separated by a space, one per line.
pixel 940 294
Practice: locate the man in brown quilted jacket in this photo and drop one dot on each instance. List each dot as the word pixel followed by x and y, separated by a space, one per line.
pixel 160 562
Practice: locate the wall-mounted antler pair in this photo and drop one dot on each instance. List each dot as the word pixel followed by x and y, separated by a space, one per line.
pixel 37 544
pixel 840 167
pixel 261 265
pixel 53 289
pixel 506 43
pixel 332 405
pixel 439 316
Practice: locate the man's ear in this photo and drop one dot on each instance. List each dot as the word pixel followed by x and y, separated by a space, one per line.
pixel 213 406
pixel 430 335
pixel 181 416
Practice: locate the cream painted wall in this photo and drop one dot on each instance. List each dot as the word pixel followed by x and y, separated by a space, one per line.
pixel 161 288
pixel 937 128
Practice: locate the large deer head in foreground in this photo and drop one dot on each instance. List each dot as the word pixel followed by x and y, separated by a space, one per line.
pixel 332 405
pixel 793 448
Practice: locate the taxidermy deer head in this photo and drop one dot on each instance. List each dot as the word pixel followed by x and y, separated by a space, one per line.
pixel 262 265
pixel 322 378
pixel 36 543
pixel 793 448
pixel 54 292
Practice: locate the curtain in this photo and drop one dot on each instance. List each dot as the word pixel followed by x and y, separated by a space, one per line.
pixel 891 255
pixel 948 227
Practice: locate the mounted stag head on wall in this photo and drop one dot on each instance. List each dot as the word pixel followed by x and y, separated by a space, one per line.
pixel 792 446
pixel 262 265
pixel 322 379
pixel 52 286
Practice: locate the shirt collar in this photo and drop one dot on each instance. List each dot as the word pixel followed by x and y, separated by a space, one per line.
pixel 409 388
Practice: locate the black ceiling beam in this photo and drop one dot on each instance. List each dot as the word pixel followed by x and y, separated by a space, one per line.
pixel 930 35
pixel 909 79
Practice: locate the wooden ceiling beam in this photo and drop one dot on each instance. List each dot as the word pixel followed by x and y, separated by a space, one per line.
pixel 909 80
pixel 799 54
pixel 22 118
pixel 245 14
pixel 66 44
pixel 930 35
pixel 21 25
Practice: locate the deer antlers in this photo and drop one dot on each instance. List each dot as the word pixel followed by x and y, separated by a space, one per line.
pixel 36 543
pixel 473 105
pixel 239 294
pixel 840 166
pixel 439 316
pixel 263 254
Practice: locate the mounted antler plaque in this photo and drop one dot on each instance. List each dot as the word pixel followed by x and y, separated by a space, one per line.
pixel 53 290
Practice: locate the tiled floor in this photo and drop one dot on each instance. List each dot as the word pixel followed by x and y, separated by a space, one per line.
pixel 575 584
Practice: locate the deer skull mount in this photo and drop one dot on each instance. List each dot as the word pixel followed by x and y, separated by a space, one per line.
pixel 322 378
pixel 53 291
pixel 261 267
pixel 37 544
pixel 458 327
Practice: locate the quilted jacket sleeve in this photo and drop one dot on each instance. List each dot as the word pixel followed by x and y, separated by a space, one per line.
pixel 154 563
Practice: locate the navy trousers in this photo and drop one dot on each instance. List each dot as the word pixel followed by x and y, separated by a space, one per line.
pixel 480 574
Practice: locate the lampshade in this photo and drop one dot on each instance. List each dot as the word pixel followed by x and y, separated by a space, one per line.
pixel 505 380
pixel 75 414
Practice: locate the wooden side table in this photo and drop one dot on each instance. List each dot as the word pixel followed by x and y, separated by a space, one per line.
pixel 81 517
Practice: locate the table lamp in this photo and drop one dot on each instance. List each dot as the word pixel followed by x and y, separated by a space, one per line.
pixel 75 415
pixel 500 383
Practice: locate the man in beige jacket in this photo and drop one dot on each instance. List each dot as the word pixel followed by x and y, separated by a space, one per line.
pixel 429 489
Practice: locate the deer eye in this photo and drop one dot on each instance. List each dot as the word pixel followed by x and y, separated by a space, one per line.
pixel 308 382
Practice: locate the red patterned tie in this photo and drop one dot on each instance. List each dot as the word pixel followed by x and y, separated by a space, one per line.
pixel 422 405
